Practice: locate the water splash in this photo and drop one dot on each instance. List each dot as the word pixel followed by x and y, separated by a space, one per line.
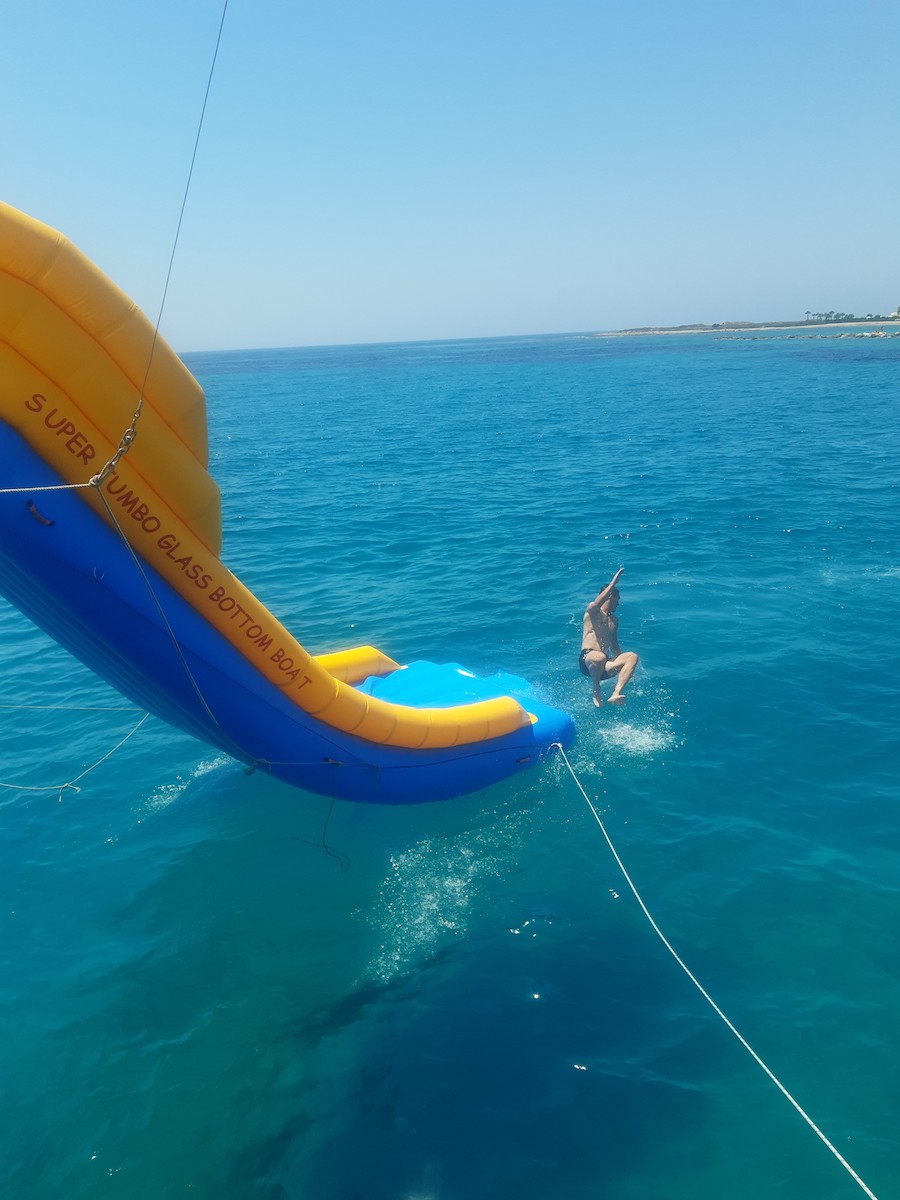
pixel 167 793
pixel 423 903
pixel 638 741
pixel 435 888
pixel 641 736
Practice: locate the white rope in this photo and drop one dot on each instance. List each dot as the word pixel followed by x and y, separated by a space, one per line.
pixel 130 434
pixel 47 487
pixel 703 992
pixel 70 786
pixel 128 437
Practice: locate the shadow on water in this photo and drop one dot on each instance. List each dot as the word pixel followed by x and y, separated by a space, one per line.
pixel 497 1072
pixel 527 1055
pixel 467 1012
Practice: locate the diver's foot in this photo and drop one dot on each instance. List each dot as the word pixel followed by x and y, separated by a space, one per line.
pixel 614 699
pixel 598 701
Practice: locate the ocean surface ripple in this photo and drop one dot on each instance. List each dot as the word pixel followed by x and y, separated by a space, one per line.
pixel 215 986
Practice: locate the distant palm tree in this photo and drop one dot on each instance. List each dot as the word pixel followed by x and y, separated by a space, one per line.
pixel 808 314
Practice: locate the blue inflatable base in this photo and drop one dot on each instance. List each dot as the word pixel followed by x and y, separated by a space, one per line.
pixel 77 580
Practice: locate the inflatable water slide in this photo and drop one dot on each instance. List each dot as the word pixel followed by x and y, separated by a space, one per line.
pixel 110 541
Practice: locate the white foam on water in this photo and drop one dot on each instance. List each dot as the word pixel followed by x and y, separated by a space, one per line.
pixel 422 903
pixel 637 740
pixel 427 900
pixel 167 793
pixel 650 729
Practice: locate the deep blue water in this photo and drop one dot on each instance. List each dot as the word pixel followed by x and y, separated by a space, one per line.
pixel 463 1001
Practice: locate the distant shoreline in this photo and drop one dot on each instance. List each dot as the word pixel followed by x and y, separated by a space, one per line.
pixel 748 326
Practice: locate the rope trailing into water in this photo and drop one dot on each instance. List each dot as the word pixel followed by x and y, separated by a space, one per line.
pixel 343 860
pixel 703 992
pixel 71 785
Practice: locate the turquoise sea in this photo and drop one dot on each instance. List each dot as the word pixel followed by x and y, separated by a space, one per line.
pixel 215 987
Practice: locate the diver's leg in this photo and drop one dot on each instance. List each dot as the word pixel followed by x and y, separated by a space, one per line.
pixel 596 662
pixel 625 664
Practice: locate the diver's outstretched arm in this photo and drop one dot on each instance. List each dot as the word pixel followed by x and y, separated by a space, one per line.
pixel 606 592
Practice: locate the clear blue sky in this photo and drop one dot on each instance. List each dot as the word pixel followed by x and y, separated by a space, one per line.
pixel 403 170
